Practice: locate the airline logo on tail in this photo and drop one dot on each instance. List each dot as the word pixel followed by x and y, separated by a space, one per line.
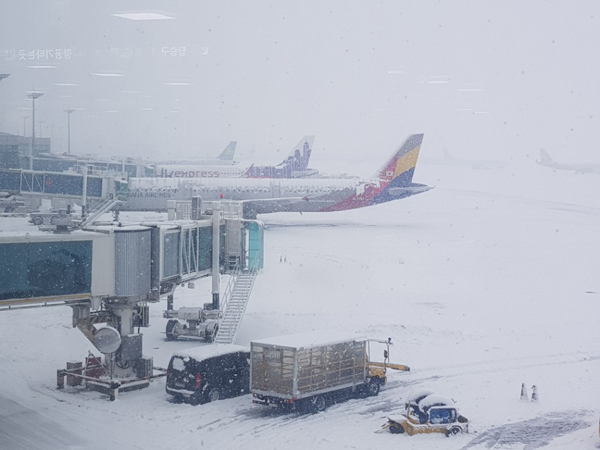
pixel 403 162
pixel 299 157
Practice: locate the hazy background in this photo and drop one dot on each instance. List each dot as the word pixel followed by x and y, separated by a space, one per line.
pixel 481 79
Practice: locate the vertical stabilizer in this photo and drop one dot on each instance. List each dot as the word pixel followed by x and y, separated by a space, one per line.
pixel 400 168
pixel 300 155
pixel 227 154
pixel 545 157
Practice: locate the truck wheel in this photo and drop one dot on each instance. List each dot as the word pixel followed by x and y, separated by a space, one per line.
pixel 373 387
pixel 314 404
pixel 196 399
pixel 213 395
pixel 452 431
pixel 37 221
pixel 172 329
pixel 396 429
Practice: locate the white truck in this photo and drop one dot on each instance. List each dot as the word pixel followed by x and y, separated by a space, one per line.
pixel 307 373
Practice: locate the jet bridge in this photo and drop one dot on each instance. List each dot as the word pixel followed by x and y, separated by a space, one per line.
pixel 67 185
pixel 108 274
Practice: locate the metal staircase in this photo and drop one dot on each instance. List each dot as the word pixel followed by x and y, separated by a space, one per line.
pixel 235 300
pixel 99 208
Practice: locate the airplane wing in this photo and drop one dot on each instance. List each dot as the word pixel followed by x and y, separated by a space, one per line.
pixel 274 201
pixel 272 205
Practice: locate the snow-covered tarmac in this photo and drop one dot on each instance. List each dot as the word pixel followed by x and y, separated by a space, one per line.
pixel 488 281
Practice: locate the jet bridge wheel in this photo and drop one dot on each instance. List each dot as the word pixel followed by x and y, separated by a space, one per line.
pixel 172 331
pixel 211 336
pixel 37 221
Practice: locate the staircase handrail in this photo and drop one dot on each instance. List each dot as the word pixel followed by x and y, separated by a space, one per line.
pixel 252 271
pixel 100 209
pixel 229 289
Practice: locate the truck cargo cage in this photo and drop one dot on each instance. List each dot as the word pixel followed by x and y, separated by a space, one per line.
pixel 306 372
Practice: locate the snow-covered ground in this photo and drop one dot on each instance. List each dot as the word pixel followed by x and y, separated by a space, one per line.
pixel 488 281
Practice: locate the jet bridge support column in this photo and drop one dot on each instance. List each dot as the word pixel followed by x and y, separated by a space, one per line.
pixel 216 234
pixel 84 193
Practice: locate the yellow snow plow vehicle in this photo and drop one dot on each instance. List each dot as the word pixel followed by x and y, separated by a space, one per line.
pixel 426 412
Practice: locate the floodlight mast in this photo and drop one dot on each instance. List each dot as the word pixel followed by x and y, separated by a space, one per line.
pixel 4 75
pixel 69 111
pixel 33 96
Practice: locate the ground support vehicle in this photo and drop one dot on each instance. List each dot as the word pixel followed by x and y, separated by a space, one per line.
pixel 47 217
pixel 209 373
pixel 426 412
pixel 199 323
pixel 307 373
pixel 12 207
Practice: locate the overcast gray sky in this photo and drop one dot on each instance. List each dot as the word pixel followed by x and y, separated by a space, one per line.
pixel 481 79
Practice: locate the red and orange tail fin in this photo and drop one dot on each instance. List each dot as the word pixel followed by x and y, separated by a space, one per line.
pixel 404 161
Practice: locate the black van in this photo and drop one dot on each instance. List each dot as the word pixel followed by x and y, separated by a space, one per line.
pixel 209 373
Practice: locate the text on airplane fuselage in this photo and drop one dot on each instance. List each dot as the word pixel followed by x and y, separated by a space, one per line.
pixel 193 174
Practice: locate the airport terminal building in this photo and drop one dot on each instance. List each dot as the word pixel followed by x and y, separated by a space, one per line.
pixel 14 150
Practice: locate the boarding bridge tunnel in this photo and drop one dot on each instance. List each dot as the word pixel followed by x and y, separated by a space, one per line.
pixel 109 273
pixel 66 185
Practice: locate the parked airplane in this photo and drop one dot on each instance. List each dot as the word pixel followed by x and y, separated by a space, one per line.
pixel 261 196
pixel 294 166
pixel 547 161
pixel 224 159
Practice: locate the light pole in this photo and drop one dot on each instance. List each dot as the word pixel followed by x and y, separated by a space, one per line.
pixel 69 111
pixel 33 96
pixel 4 75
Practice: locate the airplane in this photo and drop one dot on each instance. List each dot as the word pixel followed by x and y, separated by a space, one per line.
pixel 263 196
pixel 547 161
pixel 224 159
pixel 294 166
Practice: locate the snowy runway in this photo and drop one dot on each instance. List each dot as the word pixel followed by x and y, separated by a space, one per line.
pixel 482 285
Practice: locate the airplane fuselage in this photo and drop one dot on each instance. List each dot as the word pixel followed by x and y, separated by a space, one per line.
pixel 262 196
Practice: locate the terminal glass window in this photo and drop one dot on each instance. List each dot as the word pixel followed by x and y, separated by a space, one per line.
pixel 45 269
pixel 205 248
pixel 171 254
